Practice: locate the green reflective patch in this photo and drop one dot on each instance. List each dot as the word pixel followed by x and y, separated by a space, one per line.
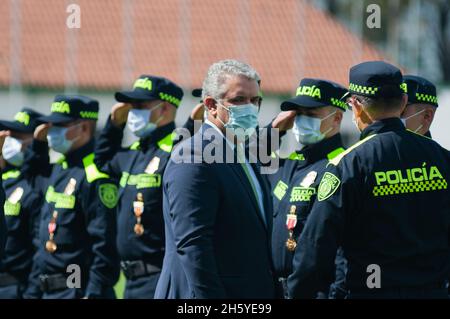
pixel 296 157
pixel 141 181
pixel 108 194
pixel 92 172
pixel 335 153
pixel 12 209
pixel 135 146
pixel 23 117
pixel 411 180
pixel 280 190
pixel 11 174
pixel 60 200
pixel 302 194
pixel 60 107
pixel 328 186
pixel 166 143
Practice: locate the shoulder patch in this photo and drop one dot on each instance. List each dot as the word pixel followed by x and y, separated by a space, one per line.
pixel 335 161
pixel 328 186
pixel 108 194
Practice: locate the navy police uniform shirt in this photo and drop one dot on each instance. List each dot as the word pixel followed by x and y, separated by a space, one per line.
pixel 295 185
pixel 386 202
pixel 140 169
pixel 22 210
pixel 81 201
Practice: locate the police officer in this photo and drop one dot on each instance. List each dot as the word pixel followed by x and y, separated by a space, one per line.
pixel 319 112
pixel 422 104
pixel 77 228
pixel 149 112
pixel 21 208
pixel 385 200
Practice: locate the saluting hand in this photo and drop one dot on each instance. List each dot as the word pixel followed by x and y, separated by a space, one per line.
pixel 40 133
pixel 119 113
pixel 3 135
pixel 198 112
pixel 284 121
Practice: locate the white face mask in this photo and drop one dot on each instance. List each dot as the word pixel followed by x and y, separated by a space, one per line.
pixel 57 139
pixel 307 129
pixel 12 151
pixel 407 118
pixel 242 119
pixel 139 124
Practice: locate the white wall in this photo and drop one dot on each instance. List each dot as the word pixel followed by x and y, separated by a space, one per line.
pixel 41 101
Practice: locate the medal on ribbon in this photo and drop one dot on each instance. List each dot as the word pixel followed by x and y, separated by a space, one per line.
pixel 138 208
pixel 291 222
pixel 50 245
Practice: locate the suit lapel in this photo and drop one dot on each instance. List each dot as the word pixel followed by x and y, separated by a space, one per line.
pixel 208 132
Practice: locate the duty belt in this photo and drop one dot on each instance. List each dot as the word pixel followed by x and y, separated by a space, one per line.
pixel 138 268
pixel 51 283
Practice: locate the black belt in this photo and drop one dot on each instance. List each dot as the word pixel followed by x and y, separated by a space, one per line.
pixel 51 283
pixel 8 280
pixel 138 268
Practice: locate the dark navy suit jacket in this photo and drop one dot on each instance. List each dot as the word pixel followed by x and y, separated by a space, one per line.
pixel 217 243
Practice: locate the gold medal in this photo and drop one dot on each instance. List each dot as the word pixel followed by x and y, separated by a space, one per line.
pixel 139 229
pixel 50 246
pixel 291 244
pixel 138 205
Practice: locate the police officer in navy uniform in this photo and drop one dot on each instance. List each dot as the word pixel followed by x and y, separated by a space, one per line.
pixel 319 112
pixel 384 200
pixel 149 112
pixel 77 251
pixel 422 104
pixel 22 208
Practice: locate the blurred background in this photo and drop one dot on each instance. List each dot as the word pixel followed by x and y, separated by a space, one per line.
pixel 284 40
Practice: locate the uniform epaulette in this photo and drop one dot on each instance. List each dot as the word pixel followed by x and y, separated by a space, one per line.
pixel 335 161
pixel 92 172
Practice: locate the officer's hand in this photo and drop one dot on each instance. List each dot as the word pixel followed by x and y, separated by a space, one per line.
pixel 198 112
pixel 284 121
pixel 3 135
pixel 40 133
pixel 119 114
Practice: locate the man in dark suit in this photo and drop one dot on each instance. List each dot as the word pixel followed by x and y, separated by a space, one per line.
pixel 216 205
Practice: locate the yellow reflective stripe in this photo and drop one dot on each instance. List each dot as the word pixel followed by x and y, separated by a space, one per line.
pixel 11 174
pixel 408 130
pixel 335 161
pixel 166 143
pixel 92 172
pixel 335 153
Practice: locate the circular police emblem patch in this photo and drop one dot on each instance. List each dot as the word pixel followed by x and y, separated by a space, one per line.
pixel 108 194
pixel 328 186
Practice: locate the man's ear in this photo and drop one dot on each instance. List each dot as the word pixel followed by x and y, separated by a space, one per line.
pixel 210 104
pixel 428 115
pixel 338 116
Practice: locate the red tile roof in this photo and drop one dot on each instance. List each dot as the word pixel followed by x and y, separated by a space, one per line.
pixel 284 40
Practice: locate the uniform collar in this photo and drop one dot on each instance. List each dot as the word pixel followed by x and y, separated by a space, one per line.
pixel 157 135
pixel 76 156
pixel 381 126
pixel 428 134
pixel 321 150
